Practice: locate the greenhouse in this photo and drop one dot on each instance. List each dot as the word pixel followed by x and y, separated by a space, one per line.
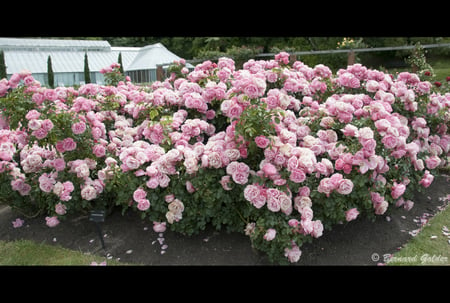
pixel 68 59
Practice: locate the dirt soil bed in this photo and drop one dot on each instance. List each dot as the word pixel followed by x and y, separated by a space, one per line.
pixel 132 240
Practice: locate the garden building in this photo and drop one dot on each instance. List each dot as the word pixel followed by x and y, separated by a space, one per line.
pixel 68 59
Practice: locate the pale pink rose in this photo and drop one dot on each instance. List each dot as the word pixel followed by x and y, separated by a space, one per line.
pixel 99 150
pixel 153 182
pixel 89 193
pixel 47 125
pixel 345 186
pixel 139 194
pixel 69 144
pixel 397 190
pixel 59 164
pixel 169 198
pixel 350 130
pixel 34 124
pixel 351 214
pixel 189 187
pixel 270 234
pixel 389 141
pixel 293 254
pixel 251 192
pixel 325 186
pixel 32 114
pixel 240 177
pixel 408 205
pixel 269 169
pixel 51 221
pixel 297 176
pixel 261 141
pixel 143 205
pixel 159 227
pixel 307 213
pixel 380 208
pixel 317 229
pixel 432 162
pixel 18 223
pixel 307 226
pixel 60 209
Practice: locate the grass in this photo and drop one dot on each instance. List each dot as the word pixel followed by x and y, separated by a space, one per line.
pixel 429 247
pixel 26 252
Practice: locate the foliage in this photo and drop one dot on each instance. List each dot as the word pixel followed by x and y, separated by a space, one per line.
pixel 50 74
pixel 277 149
pixel 87 72
pixel 2 65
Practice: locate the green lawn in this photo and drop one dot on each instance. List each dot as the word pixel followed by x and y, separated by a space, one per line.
pixel 26 252
pixel 431 246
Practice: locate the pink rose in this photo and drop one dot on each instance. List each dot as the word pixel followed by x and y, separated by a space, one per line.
pixel 69 144
pixel 139 194
pixel 317 229
pixel 261 141
pixel 345 186
pixel 293 254
pixel 432 162
pixel 351 214
pixel 17 223
pixel 143 205
pixel 397 190
pixel 269 169
pixel 427 179
pixel 159 227
pixel 270 234
pixel 60 209
pixel 51 221
pixel 89 193
pixel 78 128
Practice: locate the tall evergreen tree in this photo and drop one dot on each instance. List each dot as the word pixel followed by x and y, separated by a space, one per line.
pixel 87 73
pixel 119 60
pixel 51 76
pixel 2 65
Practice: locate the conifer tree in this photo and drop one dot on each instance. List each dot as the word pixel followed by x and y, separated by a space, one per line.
pixel 2 65
pixel 87 73
pixel 119 60
pixel 51 77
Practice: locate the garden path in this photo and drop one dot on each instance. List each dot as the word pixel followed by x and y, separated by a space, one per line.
pixel 132 240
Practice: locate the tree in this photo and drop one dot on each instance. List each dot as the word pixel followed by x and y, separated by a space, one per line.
pixel 2 65
pixel 51 77
pixel 87 73
pixel 119 60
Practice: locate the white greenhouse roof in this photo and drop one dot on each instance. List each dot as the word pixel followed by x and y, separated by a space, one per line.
pixel 152 55
pixel 53 44
pixel 68 55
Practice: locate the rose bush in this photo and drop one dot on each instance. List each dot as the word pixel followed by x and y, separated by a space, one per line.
pixel 279 151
